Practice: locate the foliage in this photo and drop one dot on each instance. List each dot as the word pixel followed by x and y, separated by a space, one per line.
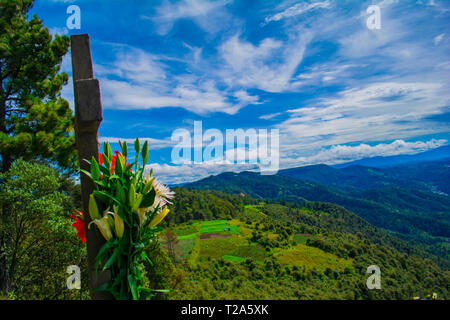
pixel 44 243
pixel 330 264
pixel 135 204
pixel 414 215
pixel 35 122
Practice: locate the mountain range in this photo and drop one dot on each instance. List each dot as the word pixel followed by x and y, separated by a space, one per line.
pixel 410 201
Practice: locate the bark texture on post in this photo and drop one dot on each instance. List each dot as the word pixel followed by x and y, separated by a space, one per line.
pixel 88 115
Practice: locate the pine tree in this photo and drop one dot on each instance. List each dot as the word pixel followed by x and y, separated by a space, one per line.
pixel 35 122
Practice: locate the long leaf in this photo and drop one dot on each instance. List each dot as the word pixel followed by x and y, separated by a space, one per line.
pixel 95 170
pixel 145 153
pixel 103 287
pixel 112 259
pixel 86 173
pixel 105 194
pixel 125 149
pixel 148 200
pixel 133 287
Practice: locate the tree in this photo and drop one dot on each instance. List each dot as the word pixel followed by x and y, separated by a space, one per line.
pixel 171 241
pixel 44 243
pixel 35 122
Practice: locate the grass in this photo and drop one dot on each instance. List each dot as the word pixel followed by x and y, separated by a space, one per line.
pixel 183 248
pixel 253 211
pixel 233 258
pixel 185 230
pixel 312 258
pixel 218 226
pixel 218 247
pixel 254 251
pixel 189 236
pixel 300 238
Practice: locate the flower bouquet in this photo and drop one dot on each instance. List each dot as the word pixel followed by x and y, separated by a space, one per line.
pixel 134 204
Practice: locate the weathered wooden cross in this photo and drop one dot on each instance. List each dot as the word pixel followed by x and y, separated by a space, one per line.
pixel 88 115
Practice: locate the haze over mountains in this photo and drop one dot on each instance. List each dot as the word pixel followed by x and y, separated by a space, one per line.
pixel 441 153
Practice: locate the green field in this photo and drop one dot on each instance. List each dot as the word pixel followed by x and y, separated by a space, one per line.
pixel 236 247
pixel 300 238
pixel 218 247
pixel 254 251
pixel 185 230
pixel 312 258
pixel 183 248
pixel 233 258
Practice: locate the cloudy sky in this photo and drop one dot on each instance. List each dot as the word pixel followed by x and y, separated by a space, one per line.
pixel 336 90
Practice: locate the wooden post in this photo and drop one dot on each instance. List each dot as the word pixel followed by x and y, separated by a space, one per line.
pixel 88 115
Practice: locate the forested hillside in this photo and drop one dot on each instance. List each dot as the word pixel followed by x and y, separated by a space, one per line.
pixel 425 176
pixel 243 248
pixel 412 214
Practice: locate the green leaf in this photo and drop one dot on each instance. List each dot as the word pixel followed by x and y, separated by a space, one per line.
pixel 145 257
pixel 95 170
pixel 106 162
pixel 105 171
pixel 124 242
pixel 148 186
pixel 112 259
pixel 104 195
pixel 103 287
pixel 107 150
pixel 101 254
pixel 148 200
pixel 137 146
pixel 127 169
pixel 120 193
pixel 137 201
pixel 118 169
pixel 93 208
pixel 86 173
pixel 145 153
pixel 125 149
pixel 132 194
pixel 133 287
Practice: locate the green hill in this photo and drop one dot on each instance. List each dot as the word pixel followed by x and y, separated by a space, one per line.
pixel 245 248
pixel 426 176
pixel 411 214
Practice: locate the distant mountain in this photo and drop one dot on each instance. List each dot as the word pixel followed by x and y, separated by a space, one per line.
pixel 438 154
pixel 397 199
pixel 426 176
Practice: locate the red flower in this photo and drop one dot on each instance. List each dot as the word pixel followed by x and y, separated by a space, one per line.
pixel 79 225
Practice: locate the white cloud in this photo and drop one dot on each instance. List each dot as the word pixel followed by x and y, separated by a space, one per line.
pixel 345 153
pixel 60 31
pixel 270 116
pixel 175 174
pixel 206 14
pixel 375 112
pixel 438 39
pixel 298 9
pixel 253 66
pixel 140 80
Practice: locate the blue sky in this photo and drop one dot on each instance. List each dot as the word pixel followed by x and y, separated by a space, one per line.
pixel 336 90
